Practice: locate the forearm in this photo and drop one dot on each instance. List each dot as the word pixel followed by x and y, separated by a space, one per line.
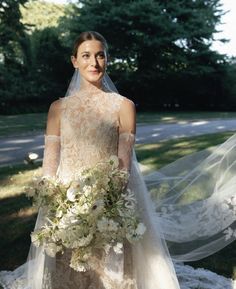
pixel 51 156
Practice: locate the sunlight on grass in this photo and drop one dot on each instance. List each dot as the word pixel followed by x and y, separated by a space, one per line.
pixel 158 155
pixel 180 117
pixel 14 184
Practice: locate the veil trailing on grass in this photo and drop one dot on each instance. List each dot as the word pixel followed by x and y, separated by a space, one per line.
pixel 195 200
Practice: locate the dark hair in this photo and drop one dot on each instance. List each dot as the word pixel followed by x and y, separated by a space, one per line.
pixel 89 35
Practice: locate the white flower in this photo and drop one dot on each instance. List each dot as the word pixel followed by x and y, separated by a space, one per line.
pixel 82 242
pixel 87 190
pixel 118 248
pixel 79 266
pixel 105 224
pixel 67 220
pixel 141 228
pixel 84 209
pixel 59 214
pixel 51 249
pixel 107 248
pixel 71 194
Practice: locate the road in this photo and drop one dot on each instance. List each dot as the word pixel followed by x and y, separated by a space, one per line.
pixel 14 149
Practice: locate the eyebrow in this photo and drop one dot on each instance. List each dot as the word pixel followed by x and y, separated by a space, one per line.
pixel 89 52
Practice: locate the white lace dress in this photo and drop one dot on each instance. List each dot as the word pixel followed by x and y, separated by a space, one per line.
pixel 89 134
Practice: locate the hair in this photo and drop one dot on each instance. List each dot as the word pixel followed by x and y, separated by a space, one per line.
pixel 89 35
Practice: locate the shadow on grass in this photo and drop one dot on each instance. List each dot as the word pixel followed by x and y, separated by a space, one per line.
pixel 17 219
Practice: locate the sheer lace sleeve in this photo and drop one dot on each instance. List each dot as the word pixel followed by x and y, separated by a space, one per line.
pixel 51 156
pixel 125 147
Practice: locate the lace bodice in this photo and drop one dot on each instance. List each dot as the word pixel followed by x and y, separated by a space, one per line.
pixel 89 133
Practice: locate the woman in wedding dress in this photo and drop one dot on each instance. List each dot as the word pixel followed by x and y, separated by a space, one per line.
pixel 89 125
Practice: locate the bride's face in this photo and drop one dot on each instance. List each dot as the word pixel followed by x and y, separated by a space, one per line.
pixel 91 60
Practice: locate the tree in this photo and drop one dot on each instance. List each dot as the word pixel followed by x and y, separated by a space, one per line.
pixel 45 14
pixel 155 43
pixel 12 32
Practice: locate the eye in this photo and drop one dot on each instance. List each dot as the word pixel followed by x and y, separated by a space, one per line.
pixel 101 55
pixel 86 55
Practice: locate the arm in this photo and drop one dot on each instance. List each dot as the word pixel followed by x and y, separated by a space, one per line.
pixel 51 156
pixel 127 129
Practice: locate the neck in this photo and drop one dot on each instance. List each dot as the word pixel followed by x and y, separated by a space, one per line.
pixel 96 87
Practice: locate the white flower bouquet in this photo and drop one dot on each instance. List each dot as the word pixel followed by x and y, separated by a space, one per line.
pixel 94 211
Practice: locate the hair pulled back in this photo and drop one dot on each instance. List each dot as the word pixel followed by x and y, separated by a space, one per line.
pixel 89 35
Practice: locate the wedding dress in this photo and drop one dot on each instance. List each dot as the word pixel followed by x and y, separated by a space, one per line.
pixel 89 133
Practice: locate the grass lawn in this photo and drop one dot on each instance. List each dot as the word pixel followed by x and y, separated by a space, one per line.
pixel 17 217
pixel 13 125
pixel 22 124
pixel 175 117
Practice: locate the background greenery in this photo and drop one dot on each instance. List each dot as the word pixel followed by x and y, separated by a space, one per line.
pixel 160 52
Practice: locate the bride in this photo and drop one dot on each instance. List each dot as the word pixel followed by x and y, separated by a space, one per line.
pixel 89 125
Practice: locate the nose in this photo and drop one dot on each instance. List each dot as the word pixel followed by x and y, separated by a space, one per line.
pixel 94 61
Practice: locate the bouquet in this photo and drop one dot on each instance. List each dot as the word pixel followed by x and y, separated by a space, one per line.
pixel 93 211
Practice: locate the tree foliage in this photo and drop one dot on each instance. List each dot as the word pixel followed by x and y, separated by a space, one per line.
pixel 160 50
pixel 33 65
pixel 38 15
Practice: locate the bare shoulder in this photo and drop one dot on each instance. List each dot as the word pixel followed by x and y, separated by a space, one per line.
pixel 55 106
pixel 127 106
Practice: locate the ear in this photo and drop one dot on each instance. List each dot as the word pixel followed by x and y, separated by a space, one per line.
pixel 74 61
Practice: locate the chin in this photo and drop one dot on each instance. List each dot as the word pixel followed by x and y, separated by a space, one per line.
pixel 94 80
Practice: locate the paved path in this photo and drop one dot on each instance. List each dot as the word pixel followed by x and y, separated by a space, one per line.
pixel 14 149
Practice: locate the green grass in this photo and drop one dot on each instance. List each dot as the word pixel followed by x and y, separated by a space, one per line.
pixel 17 217
pixel 159 154
pixel 175 117
pixel 14 125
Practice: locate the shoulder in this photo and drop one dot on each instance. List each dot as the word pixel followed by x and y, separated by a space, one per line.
pixel 55 106
pixel 125 103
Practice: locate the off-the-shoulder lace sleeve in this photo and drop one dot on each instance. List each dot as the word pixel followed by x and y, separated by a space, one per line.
pixel 125 146
pixel 51 156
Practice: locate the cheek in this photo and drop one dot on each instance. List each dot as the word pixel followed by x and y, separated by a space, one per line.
pixel 103 63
